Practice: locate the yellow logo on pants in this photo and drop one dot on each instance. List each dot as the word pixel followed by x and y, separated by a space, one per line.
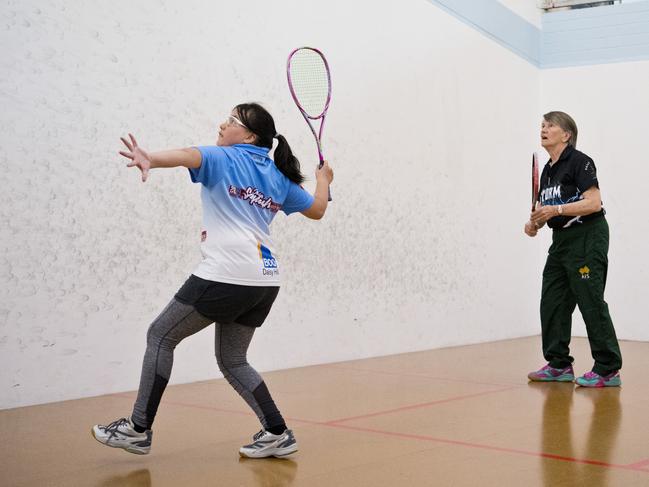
pixel 585 272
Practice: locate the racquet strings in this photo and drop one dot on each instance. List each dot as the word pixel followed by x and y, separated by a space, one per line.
pixel 310 81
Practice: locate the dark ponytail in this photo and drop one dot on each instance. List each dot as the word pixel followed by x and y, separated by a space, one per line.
pixel 262 125
pixel 286 161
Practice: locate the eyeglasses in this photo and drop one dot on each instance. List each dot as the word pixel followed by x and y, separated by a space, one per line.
pixel 231 121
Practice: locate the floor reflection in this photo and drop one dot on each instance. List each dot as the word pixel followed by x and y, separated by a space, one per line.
pixel 558 438
pixel 270 472
pixel 136 478
pixel 604 425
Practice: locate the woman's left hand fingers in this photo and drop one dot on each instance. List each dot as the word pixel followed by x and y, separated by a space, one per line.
pixel 126 143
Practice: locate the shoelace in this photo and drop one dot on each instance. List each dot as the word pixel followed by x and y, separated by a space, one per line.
pixel 112 427
pixel 548 367
pixel 258 435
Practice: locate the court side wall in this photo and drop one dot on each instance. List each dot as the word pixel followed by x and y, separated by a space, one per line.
pixel 430 133
pixel 609 102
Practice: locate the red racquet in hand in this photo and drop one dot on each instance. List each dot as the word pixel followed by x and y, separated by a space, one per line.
pixel 535 180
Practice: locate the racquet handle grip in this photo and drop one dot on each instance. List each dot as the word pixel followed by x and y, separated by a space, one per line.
pixel 319 166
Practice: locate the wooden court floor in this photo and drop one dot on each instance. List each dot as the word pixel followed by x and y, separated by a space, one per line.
pixel 463 416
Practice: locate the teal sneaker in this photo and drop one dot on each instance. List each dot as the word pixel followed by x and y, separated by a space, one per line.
pixel 592 379
pixel 550 374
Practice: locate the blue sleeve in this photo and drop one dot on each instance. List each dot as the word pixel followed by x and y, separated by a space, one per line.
pixel 214 165
pixel 297 199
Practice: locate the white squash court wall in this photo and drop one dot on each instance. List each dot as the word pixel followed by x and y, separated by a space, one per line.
pixel 429 132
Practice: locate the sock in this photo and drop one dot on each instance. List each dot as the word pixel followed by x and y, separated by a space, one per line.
pixel 138 428
pixel 277 430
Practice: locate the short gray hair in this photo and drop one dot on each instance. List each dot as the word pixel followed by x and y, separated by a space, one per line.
pixel 566 123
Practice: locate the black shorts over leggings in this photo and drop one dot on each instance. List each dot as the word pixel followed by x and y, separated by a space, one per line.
pixel 228 303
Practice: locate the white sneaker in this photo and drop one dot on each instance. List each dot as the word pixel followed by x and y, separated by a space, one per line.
pixel 121 434
pixel 265 444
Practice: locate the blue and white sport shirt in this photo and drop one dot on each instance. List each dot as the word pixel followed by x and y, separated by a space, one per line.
pixel 242 191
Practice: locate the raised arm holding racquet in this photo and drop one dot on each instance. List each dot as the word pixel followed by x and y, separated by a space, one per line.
pixel 309 82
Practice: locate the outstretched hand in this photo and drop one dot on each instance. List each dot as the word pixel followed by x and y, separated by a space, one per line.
pixel 138 156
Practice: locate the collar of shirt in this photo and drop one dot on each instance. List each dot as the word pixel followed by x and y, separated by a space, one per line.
pixel 565 154
pixel 254 149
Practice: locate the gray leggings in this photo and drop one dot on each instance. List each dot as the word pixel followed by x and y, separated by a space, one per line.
pixel 178 321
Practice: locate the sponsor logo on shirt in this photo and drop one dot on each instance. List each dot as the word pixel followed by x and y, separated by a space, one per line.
pixel 585 272
pixel 254 197
pixel 203 235
pixel 551 194
pixel 268 261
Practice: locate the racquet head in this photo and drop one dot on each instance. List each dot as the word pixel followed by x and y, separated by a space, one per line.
pixel 309 81
pixel 535 179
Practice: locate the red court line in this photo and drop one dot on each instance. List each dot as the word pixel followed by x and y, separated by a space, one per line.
pixel 337 424
pixel 195 406
pixel 418 406
pixel 489 447
pixel 639 465
pixel 334 422
pixel 222 410
pixel 425 376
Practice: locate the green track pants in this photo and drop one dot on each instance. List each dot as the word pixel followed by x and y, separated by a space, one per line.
pixel 575 274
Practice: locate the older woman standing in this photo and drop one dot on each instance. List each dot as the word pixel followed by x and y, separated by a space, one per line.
pixel 577 262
